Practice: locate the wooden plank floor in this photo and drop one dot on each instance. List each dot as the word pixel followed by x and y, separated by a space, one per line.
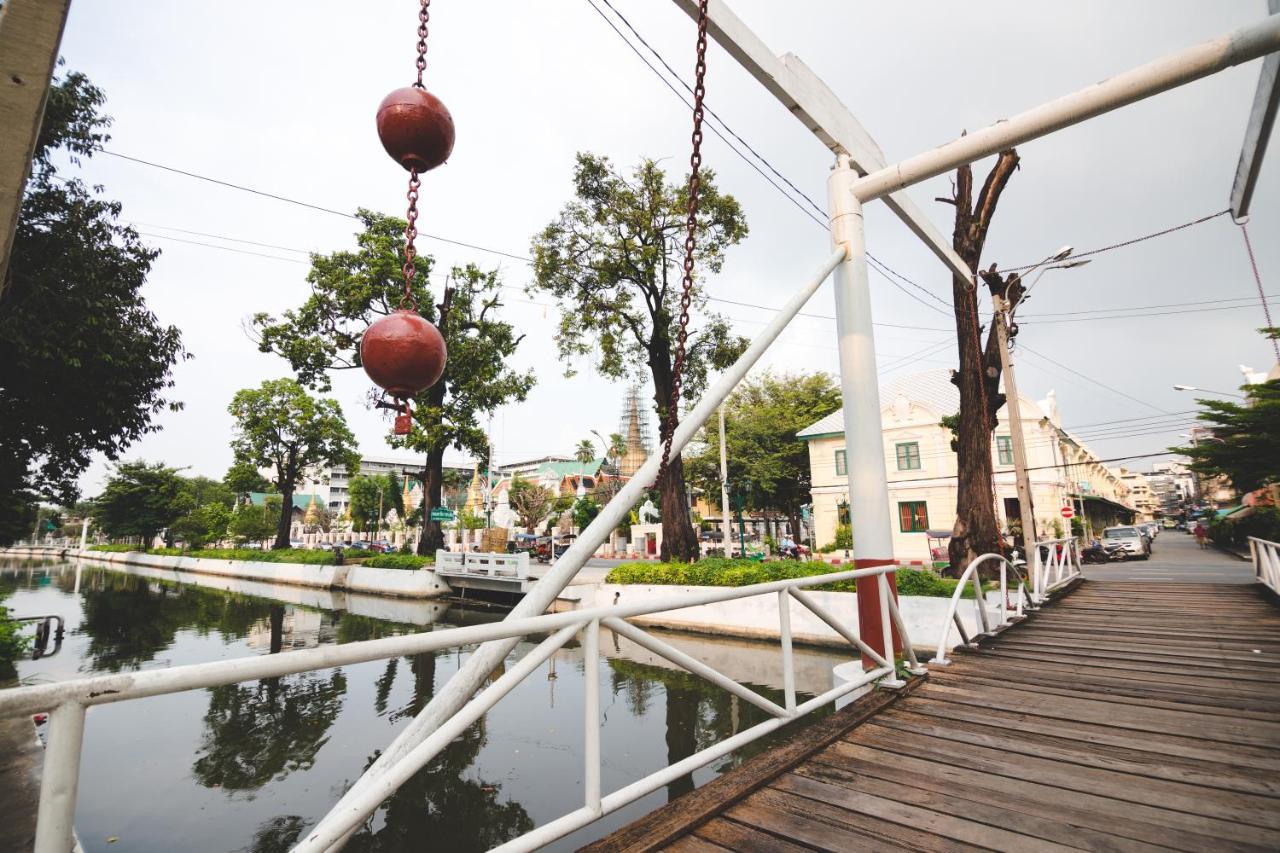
pixel 1125 716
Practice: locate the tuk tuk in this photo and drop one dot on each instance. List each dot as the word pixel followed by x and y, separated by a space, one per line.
pixel 937 541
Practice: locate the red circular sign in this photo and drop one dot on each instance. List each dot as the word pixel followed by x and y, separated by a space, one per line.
pixel 1068 512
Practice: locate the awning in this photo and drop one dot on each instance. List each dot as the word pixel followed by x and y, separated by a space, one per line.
pixel 1098 499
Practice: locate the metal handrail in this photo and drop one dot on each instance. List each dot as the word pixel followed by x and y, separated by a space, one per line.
pixel 69 700
pixel 1063 562
pixel 1265 556
pixel 971 575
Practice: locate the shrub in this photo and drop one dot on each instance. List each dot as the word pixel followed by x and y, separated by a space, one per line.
pixel 721 572
pixel 842 542
pixel 116 549
pixel 397 561
pixel 308 557
pixel 1262 522
pixel 13 644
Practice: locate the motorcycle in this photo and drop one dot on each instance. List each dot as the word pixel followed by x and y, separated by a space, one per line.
pixel 1099 553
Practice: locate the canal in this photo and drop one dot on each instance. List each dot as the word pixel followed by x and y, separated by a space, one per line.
pixel 248 767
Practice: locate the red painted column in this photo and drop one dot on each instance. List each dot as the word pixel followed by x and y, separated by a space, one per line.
pixel 870 628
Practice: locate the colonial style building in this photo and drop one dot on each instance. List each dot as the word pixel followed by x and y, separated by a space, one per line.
pixel 921 467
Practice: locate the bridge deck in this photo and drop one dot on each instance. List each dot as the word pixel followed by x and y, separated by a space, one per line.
pixel 1126 716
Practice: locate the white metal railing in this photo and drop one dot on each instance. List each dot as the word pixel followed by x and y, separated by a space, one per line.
pixel 482 564
pixel 1266 562
pixel 1054 562
pixel 68 701
pixel 1008 613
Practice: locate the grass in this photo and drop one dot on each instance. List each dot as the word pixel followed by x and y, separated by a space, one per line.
pixel 398 561
pixel 718 571
pixel 287 555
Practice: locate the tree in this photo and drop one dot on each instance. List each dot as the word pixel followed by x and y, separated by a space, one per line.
pixel 529 501
pixel 613 260
pixel 1244 445
pixel 352 289
pixel 242 478
pixel 250 523
pixel 978 377
pixel 585 509
pixel 140 499
pixel 84 364
pixel 203 525
pixel 585 451
pixel 767 464
pixel 280 427
pixel 372 498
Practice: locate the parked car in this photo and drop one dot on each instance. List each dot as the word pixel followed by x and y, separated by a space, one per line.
pixel 362 544
pixel 297 543
pixel 1130 538
pixel 1152 528
pixel 382 546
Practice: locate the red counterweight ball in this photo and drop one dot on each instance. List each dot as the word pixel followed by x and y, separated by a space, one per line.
pixel 403 353
pixel 415 128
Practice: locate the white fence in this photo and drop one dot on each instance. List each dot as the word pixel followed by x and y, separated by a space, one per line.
pixel 1266 562
pixel 1009 612
pixel 1054 562
pixel 483 564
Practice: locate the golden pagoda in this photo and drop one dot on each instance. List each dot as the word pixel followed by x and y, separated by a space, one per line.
pixel 636 431
pixel 475 494
pixel 311 518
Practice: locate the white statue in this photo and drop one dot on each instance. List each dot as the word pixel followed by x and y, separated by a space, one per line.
pixel 648 513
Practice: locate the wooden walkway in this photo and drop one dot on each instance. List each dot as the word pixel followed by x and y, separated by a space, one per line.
pixel 1125 716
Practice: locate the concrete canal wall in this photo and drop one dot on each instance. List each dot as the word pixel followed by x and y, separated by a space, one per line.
pixel 401 583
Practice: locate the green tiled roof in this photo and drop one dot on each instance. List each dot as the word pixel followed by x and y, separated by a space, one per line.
pixel 299 501
pixel 571 469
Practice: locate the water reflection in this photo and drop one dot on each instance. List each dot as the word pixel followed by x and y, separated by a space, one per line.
pixel 252 766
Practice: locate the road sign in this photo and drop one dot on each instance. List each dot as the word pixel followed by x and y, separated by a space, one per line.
pixel 1068 512
pixel 442 513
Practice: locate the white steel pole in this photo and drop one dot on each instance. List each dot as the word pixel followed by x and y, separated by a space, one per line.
pixel 55 817
pixel 84 533
pixel 869 516
pixel 1168 72
pixel 727 534
pixel 1014 410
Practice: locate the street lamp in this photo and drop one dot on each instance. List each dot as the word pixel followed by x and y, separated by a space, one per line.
pixel 1207 391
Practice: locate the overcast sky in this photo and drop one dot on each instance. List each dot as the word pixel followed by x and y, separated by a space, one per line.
pixel 281 96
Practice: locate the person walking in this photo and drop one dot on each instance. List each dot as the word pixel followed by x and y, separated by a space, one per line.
pixel 1202 534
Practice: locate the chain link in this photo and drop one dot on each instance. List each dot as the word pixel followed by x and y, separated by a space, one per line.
pixel 424 17
pixel 410 268
pixel 691 227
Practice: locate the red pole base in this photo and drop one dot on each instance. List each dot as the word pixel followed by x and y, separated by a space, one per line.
pixel 869 625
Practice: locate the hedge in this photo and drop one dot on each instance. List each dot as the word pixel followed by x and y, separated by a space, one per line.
pixel 398 561
pixel 285 555
pixel 1262 522
pixel 716 571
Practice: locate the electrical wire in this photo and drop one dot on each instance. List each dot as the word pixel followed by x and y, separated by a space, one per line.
pixel 1124 243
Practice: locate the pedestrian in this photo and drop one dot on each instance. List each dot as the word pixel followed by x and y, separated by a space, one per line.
pixel 1202 533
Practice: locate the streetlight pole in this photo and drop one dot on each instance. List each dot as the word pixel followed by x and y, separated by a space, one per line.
pixel 726 529
pixel 1207 391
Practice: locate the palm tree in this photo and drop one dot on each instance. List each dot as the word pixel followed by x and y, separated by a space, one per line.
pixel 617 448
pixel 586 451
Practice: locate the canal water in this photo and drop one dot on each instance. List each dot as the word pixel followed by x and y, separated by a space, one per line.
pixel 248 767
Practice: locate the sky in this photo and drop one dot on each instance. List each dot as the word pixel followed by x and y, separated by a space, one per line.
pixel 280 97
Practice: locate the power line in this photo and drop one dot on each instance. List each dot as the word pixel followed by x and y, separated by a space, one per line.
pixel 1023 346
pixel 1142 307
pixel 1129 242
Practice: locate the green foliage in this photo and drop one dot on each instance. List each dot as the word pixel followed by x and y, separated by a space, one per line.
pixel 242 478
pixel 842 542
pixel 470 520
pixel 251 523
pixel 203 525
pixel 737 572
pixel 13 644
pixel 768 465
pixel 1245 442
pixel 281 427
pixel 304 556
pixel 585 451
pixel 84 364
pixel 1262 522
pixel 398 561
pixel 141 499
pixel 372 497
pixel 585 509
pixel 529 501
pixel 115 549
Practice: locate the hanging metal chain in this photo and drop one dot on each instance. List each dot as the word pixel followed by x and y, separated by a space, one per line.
pixel 410 268
pixel 424 17
pixel 1262 294
pixel 691 227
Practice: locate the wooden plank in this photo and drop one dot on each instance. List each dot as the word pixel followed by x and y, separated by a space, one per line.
pixel 1194 751
pixel 694 844
pixel 1179 830
pixel 1253 809
pixel 851 799
pixel 823 828
pixel 1020 814
pixel 678 817
pixel 1084 754
pixel 735 836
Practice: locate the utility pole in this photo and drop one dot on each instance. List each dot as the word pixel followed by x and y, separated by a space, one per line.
pixel 1025 509
pixel 725 527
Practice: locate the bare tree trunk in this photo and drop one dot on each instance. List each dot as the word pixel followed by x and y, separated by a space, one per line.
pixel 285 524
pixel 679 541
pixel 432 538
pixel 976 530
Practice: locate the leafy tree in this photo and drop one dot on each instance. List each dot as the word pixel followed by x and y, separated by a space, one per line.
pixel 202 525
pixel 529 501
pixel 585 509
pixel 352 289
pixel 767 464
pixel 84 364
pixel 280 427
pixel 242 478
pixel 250 523
pixel 141 499
pixel 585 452
pixel 613 260
pixel 372 498
pixel 1245 442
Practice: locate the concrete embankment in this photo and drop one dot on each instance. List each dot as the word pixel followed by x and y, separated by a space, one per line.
pixel 21 756
pixel 400 583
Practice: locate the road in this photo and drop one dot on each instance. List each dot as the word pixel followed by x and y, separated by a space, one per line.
pixel 1176 557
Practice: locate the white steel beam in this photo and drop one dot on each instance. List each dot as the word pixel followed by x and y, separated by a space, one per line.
pixel 811 101
pixel 1262 117
pixel 1168 72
